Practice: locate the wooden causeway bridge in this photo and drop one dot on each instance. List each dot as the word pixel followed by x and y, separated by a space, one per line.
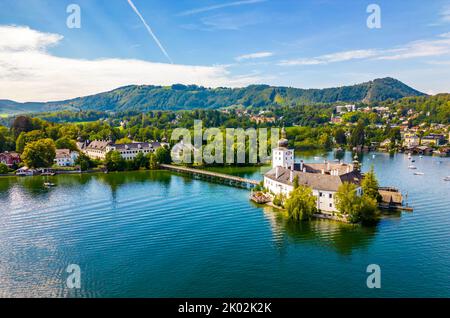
pixel 213 176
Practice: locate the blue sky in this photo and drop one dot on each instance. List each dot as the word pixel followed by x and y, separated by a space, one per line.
pixel 300 43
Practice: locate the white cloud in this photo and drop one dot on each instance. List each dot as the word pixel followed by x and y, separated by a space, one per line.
pixel 330 58
pixel 445 14
pixel 416 49
pixel 422 48
pixel 219 6
pixel 29 73
pixel 16 38
pixel 257 55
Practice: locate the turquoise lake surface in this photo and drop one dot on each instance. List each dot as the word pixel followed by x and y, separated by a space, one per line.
pixel 159 234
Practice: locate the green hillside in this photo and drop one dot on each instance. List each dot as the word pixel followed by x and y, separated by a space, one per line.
pixel 177 97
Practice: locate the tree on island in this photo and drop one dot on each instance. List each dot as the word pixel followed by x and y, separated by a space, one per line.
pixel 39 154
pixel 370 185
pixel 356 208
pixel 301 204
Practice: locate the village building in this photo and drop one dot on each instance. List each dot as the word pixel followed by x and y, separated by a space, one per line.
pixel 131 150
pixel 433 140
pixel 323 178
pixel 98 149
pixel 345 109
pixel 411 140
pixel 10 158
pixel 26 172
pixel 65 157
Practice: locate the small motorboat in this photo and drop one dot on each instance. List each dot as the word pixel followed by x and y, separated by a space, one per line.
pixel 447 178
pixel 49 184
pixel 316 158
pixel 409 155
pixel 412 167
pixel 419 173
pixel 413 160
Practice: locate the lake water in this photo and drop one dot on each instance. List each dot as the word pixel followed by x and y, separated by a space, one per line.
pixel 158 234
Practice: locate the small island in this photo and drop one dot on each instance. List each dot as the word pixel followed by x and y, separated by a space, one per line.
pixel 337 191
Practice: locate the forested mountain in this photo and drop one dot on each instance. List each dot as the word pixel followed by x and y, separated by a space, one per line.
pixel 177 97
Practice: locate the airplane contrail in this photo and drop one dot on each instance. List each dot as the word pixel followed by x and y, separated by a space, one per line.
pixel 149 29
pixel 220 6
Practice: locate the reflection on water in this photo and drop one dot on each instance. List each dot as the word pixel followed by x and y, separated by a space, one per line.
pixel 158 234
pixel 342 238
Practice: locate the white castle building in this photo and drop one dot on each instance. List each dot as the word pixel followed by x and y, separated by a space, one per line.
pixel 323 178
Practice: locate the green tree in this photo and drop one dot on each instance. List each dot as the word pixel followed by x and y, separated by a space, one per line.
pixel 84 162
pixel 3 168
pixel 357 137
pixel 152 162
pixel 340 137
pixel 163 155
pixel 278 200
pixel 66 143
pixel 21 124
pixel 370 185
pixel 301 204
pixel 3 138
pixel 114 161
pixel 39 154
pixel 368 210
pixel 357 209
pixel 347 201
pixel 140 161
pixel 325 141
pixel 25 138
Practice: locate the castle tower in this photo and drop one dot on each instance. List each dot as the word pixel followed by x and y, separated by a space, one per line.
pixel 282 156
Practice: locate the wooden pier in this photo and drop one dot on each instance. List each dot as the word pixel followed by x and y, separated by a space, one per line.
pixel 213 176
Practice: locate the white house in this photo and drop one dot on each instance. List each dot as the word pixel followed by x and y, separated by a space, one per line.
pixel 323 178
pixel 65 157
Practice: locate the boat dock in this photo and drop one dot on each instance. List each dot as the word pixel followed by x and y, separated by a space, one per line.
pixel 392 199
pixel 213 176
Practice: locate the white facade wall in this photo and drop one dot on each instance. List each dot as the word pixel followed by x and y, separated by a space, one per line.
pixel 325 199
pixel 96 154
pixel 130 154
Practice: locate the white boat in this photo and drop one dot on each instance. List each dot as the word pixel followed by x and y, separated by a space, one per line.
pixel 419 173
pixel 316 158
pixel 412 167
pixel 49 184
pixel 447 178
pixel 409 155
